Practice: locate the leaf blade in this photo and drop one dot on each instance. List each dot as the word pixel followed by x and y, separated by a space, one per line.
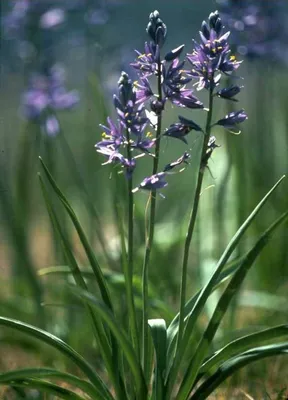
pixel 206 291
pixel 159 336
pixel 231 366
pixel 64 348
pixel 221 308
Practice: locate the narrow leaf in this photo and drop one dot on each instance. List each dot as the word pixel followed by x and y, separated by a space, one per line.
pixel 221 308
pixel 172 330
pixel 47 387
pixel 89 252
pixel 48 373
pixel 121 338
pixel 159 336
pixel 64 348
pixel 242 344
pixel 98 329
pixel 208 288
pixel 229 367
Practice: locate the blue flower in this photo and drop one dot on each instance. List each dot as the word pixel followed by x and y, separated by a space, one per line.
pixel 181 129
pixel 258 27
pixel 174 86
pixel 147 62
pixel 114 157
pixel 156 29
pixel 212 56
pixel 181 160
pixel 233 118
pixel 112 135
pixel 143 90
pixel 45 95
pixel 229 93
pixel 152 182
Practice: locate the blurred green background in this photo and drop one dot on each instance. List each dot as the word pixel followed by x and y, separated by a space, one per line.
pixel 242 170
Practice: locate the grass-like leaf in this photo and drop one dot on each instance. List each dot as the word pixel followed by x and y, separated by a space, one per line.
pixel 98 329
pixel 47 387
pixel 65 349
pixel 208 288
pixel 242 344
pixel 221 308
pixel 121 337
pixel 117 282
pixel 159 336
pixel 48 373
pixel 229 367
pixel 174 325
pixel 89 252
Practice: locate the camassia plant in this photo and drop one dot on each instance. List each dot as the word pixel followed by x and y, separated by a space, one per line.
pixel 149 359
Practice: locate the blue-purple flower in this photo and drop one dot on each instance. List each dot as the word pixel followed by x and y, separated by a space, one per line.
pixel 229 93
pixel 46 95
pixel 113 135
pixel 212 56
pixel 114 157
pixel 181 160
pixel 153 182
pixel 156 29
pixel 258 27
pixel 128 134
pixel 147 62
pixel 181 129
pixel 232 119
pixel 143 90
pixel 174 86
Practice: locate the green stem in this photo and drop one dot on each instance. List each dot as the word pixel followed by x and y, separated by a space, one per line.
pixel 149 241
pixel 192 220
pixel 129 269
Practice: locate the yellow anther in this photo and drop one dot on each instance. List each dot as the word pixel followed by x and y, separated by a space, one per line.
pixel 149 134
pixel 232 58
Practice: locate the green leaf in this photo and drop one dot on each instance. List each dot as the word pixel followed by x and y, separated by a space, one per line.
pixel 117 281
pixel 47 373
pixel 98 329
pixel 159 336
pixel 111 361
pixel 89 252
pixel 44 386
pixel 122 339
pixel 173 327
pixel 65 349
pixel 208 288
pixel 200 352
pixel 230 366
pixel 242 344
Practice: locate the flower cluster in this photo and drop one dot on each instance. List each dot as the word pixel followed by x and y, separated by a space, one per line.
pixel 129 132
pixel 45 95
pixel 140 105
pixel 210 60
pixel 259 29
pixel 46 20
pixel 212 56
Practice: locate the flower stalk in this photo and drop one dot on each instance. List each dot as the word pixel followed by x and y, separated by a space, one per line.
pixel 130 267
pixel 193 217
pixel 149 239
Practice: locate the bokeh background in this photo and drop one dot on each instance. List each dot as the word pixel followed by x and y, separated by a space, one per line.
pixel 60 62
